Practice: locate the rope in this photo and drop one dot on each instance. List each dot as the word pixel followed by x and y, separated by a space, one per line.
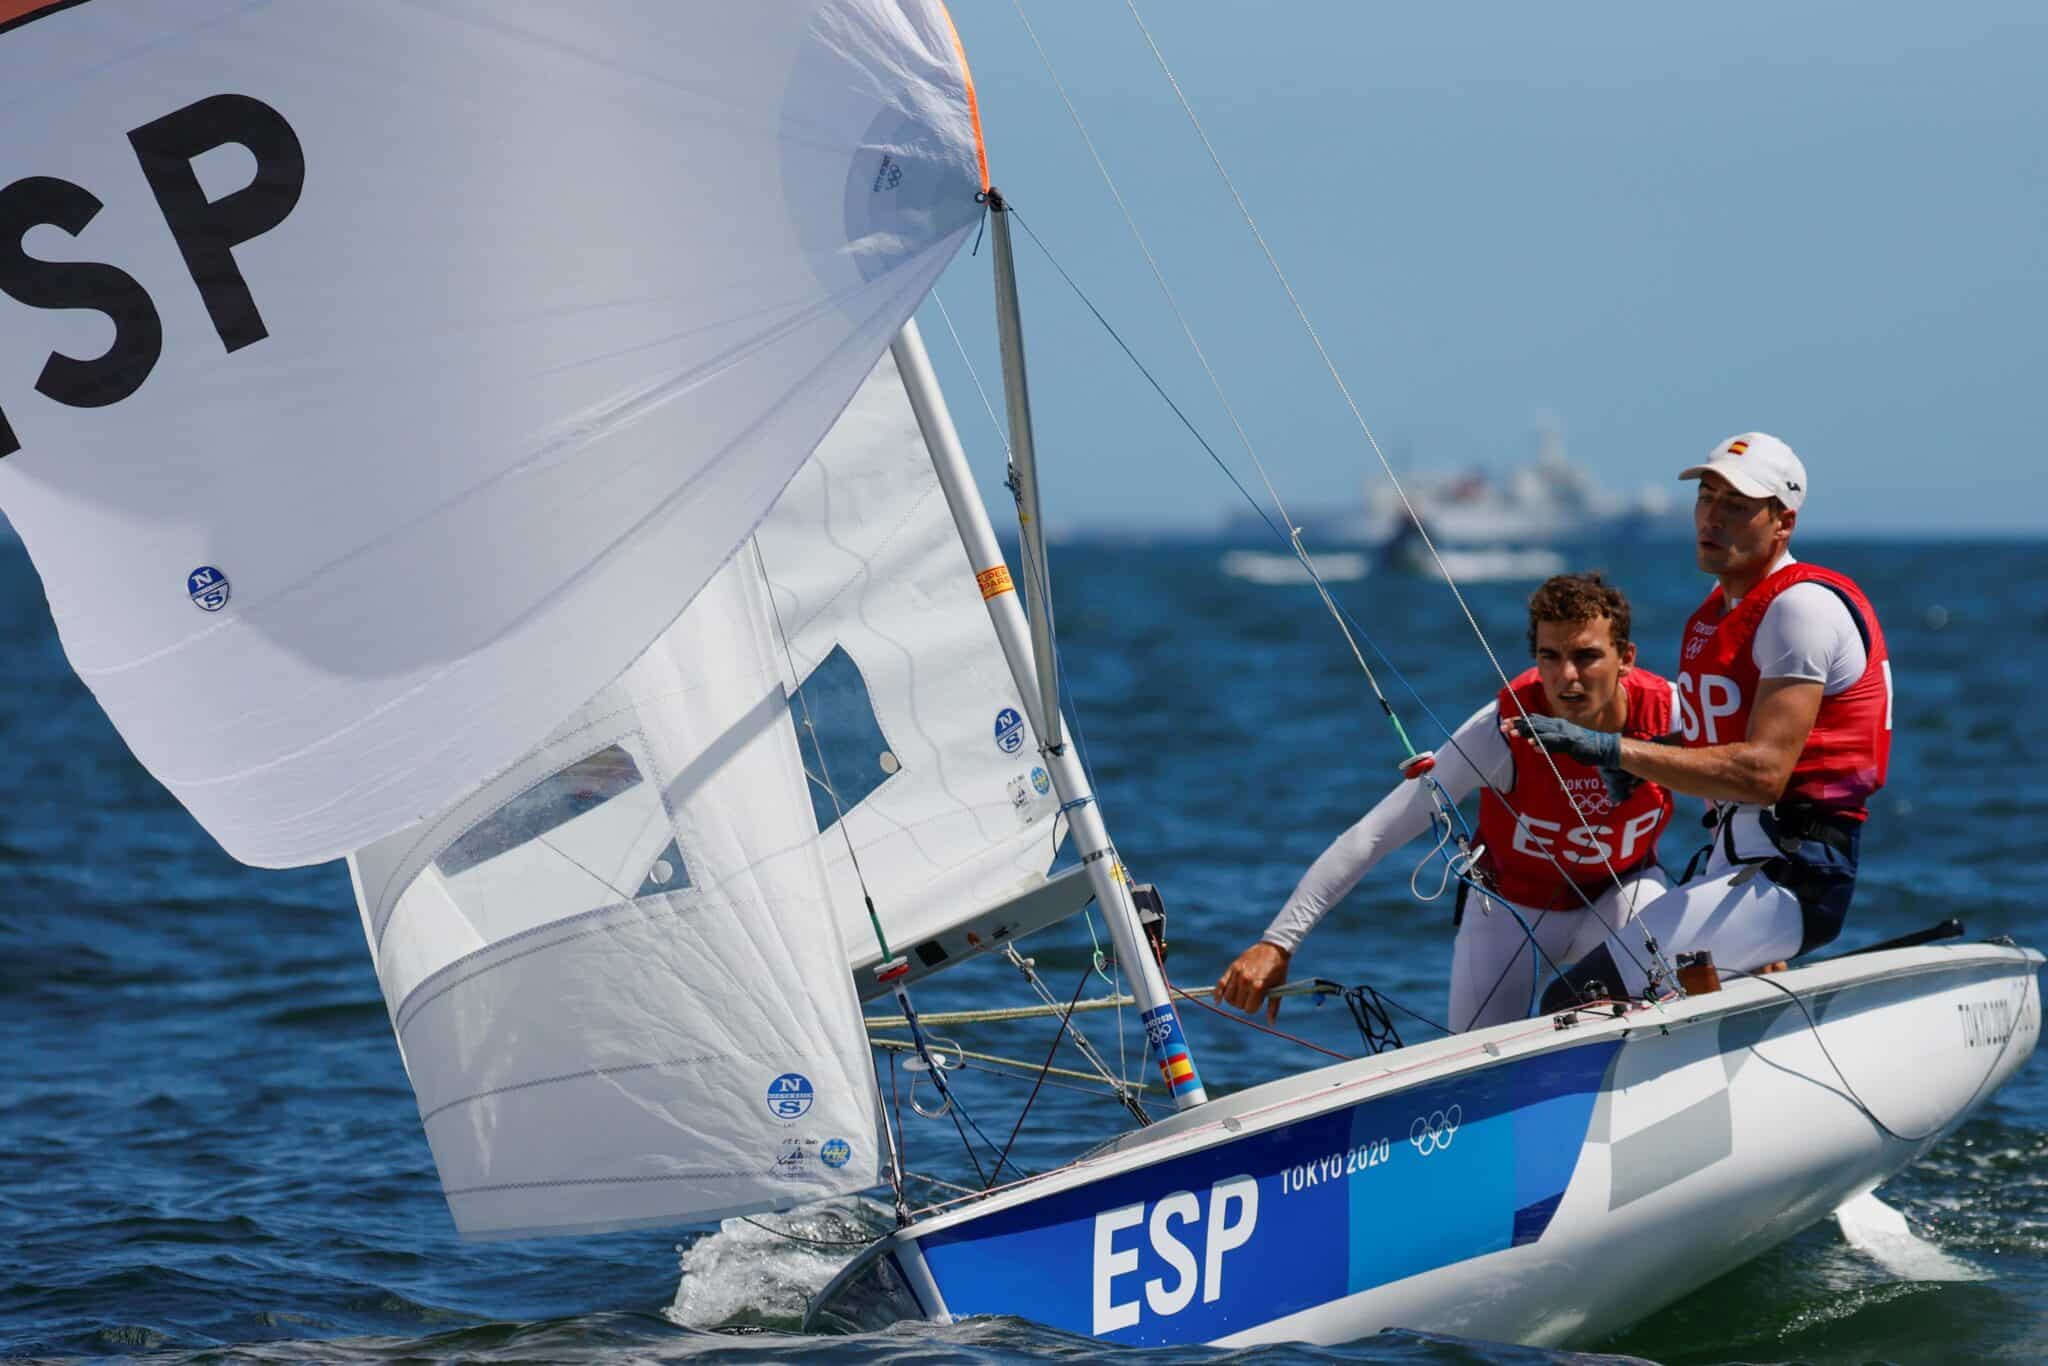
pixel 1251 1023
pixel 814 1242
pixel 1345 619
pixel 1372 441
pixel 1032 1099
pixel 1850 1092
pixel 853 856
pixel 948 1018
pixel 994 1066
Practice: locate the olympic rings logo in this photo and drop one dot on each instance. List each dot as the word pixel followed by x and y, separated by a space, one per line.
pixel 1436 1131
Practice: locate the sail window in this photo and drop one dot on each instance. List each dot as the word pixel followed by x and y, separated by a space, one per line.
pixel 592 834
pixel 840 737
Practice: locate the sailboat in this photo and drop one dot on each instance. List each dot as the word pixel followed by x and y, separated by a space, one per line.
pixel 495 448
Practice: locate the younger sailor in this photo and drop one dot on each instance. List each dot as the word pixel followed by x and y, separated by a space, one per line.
pixel 1784 720
pixel 1574 875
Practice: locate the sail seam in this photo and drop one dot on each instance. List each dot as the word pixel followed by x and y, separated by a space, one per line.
pixel 717 1173
pixel 672 912
pixel 434 839
pixel 428 1116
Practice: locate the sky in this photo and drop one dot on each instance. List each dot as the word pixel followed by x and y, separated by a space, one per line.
pixel 1657 226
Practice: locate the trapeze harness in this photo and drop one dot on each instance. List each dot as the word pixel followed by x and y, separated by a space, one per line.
pixel 1557 856
pixel 1817 826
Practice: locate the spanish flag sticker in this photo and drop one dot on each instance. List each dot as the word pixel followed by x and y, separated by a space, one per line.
pixel 1737 447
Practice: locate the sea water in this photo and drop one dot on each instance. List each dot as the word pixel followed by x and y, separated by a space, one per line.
pixel 208 1147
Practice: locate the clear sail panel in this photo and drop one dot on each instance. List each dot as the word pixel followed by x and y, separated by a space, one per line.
pixel 912 731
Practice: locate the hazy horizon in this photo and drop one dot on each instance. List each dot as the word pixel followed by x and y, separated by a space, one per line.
pixel 1660 227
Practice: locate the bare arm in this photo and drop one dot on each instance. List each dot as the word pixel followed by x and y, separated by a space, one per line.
pixel 1755 768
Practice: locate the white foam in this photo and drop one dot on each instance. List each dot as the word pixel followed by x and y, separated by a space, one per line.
pixel 744 1274
pixel 1882 1234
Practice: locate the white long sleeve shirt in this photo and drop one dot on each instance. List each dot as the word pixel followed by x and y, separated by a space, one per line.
pixel 1475 754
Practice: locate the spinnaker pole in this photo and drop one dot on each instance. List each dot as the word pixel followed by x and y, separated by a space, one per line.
pixel 1163 1035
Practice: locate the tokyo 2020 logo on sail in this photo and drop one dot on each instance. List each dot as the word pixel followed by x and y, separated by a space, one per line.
pixel 1435 1130
pixel 790 1096
pixel 836 1152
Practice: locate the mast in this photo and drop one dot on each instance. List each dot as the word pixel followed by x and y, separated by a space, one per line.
pixel 1024 478
pixel 1163 1036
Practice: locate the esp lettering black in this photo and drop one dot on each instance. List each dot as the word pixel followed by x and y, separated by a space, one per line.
pixel 206 232
pixel 138 332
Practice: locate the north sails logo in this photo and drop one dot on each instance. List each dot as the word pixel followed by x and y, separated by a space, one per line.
pixel 208 588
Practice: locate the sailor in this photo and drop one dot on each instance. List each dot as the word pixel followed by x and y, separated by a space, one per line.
pixel 1784 721
pixel 1574 867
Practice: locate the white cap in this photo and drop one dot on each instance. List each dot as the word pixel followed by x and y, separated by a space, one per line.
pixel 1759 466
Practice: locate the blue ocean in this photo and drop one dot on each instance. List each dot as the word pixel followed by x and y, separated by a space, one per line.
pixel 209 1151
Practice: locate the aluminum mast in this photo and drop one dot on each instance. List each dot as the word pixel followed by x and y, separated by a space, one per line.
pixel 1106 875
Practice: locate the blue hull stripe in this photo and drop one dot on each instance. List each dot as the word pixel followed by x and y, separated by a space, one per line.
pixel 1222 1240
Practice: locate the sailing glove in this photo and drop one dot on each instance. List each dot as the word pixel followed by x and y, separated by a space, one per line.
pixel 1598 749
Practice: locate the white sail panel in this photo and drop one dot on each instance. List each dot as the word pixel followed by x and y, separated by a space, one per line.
pixel 377 381
pixel 614 973
pixel 946 803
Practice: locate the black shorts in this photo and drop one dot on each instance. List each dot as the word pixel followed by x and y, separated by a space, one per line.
pixel 1817 864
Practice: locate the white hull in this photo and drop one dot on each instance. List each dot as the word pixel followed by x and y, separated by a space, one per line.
pixel 1591 1174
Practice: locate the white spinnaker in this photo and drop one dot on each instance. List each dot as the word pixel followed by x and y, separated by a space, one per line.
pixel 863 556
pixel 562 297
pixel 604 968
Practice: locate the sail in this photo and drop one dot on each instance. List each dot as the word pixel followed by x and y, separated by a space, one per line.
pixel 614 972
pixel 604 965
pixel 378 381
pixel 899 685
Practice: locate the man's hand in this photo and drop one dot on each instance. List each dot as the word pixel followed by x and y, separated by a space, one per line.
pixel 1257 971
pixel 1620 785
pixel 1593 748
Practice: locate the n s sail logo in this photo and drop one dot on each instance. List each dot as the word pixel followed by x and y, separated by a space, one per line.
pixel 205 231
pixel 790 1096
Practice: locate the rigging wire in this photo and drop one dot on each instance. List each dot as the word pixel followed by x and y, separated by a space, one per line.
pixel 1850 1091
pixel 1447 809
pixel 814 1242
pixel 1059 662
pixel 1014 1069
pixel 1329 363
pixel 932 1065
pixel 1065 1018
pixel 1082 1044
pixel 1293 537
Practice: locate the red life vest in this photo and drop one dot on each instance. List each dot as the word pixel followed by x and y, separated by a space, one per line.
pixel 1519 852
pixel 1848 753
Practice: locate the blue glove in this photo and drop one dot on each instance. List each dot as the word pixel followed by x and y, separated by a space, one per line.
pixel 1600 749
pixel 1593 748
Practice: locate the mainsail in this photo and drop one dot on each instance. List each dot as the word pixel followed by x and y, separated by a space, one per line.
pixel 949 810
pixel 378 381
pixel 606 967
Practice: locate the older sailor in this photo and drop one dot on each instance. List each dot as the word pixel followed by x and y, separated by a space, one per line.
pixel 1572 863
pixel 1784 704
